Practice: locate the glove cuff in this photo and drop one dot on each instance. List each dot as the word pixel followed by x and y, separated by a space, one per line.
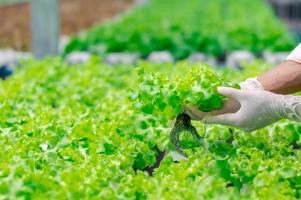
pixel 290 107
pixel 251 84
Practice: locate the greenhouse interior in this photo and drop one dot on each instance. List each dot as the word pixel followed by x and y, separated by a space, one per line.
pixel 150 99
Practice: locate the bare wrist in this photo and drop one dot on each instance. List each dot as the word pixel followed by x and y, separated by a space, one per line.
pixel 282 79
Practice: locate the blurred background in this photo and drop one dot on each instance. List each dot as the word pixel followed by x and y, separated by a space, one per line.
pixel 289 11
pixel 76 15
pixel 149 29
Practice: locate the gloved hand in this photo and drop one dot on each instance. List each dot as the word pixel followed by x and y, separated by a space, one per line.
pixel 230 106
pixel 258 109
pixel 251 107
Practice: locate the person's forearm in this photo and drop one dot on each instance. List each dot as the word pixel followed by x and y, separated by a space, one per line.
pixel 283 79
pixel 286 77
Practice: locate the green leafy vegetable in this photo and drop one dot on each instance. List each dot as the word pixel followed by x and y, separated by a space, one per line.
pixel 73 132
pixel 158 95
pixel 214 27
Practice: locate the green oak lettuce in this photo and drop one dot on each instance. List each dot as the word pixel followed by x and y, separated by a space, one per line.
pixel 72 132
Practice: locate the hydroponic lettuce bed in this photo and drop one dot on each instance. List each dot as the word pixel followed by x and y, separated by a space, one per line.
pixel 182 27
pixel 78 133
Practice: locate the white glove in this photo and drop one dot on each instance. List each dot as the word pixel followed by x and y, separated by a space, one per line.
pixel 258 109
pixel 230 106
pixel 251 84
